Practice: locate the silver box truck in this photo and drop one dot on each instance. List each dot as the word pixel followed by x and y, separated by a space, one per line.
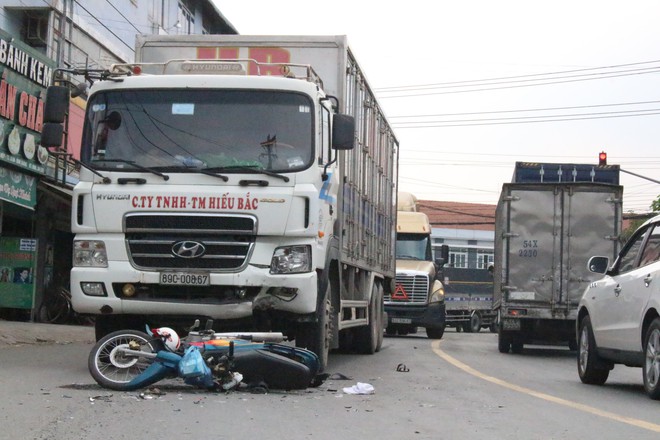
pixel 544 234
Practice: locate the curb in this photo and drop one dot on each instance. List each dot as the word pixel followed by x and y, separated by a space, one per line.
pixel 25 333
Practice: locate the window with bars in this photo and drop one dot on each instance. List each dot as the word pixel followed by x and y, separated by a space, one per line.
pixel 458 258
pixel 484 259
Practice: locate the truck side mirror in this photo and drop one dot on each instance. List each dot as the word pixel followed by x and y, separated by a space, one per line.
pixel 444 256
pixel 55 110
pixel 343 132
pixel 51 134
pixel 57 104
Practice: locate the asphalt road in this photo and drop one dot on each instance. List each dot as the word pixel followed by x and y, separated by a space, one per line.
pixel 460 387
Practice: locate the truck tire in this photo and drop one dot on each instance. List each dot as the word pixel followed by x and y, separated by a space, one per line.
pixel 369 338
pixel 316 336
pixel 504 342
pixel 435 333
pixel 106 324
pixel 474 324
pixel 589 364
pixel 517 346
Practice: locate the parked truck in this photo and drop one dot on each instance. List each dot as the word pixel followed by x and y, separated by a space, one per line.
pixel 469 298
pixel 549 221
pixel 418 299
pixel 247 179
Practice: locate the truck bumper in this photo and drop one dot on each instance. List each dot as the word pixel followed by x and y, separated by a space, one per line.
pixel 229 295
pixel 431 316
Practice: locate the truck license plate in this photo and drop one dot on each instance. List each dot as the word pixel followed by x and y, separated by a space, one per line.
pixel 511 324
pixel 184 279
pixel 401 321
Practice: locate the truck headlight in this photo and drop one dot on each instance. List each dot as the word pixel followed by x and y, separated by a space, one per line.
pixel 291 259
pixel 438 295
pixel 89 253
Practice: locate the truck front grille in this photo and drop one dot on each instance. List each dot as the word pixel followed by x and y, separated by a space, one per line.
pixel 227 241
pixel 410 289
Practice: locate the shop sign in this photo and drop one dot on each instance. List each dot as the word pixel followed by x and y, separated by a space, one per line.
pixel 18 261
pixel 18 188
pixel 24 75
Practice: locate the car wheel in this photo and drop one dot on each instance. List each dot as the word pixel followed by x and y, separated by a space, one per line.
pixel 589 370
pixel 651 366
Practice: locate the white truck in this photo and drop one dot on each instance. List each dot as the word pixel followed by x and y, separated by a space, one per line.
pixel 548 223
pixel 247 179
pixel 418 299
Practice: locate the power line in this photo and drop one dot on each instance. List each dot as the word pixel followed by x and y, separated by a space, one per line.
pixel 106 27
pixel 604 76
pixel 550 118
pixel 513 77
pixel 122 15
pixel 524 110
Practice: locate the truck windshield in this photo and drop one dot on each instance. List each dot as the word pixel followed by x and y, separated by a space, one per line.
pixel 413 247
pixel 183 130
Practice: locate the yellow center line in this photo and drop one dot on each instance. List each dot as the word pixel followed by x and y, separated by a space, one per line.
pixel 558 400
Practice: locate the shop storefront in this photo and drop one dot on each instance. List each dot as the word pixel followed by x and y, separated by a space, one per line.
pixel 35 239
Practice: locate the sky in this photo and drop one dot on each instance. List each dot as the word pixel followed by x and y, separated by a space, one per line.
pixel 472 86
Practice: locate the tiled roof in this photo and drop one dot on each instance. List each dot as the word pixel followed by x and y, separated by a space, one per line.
pixel 455 215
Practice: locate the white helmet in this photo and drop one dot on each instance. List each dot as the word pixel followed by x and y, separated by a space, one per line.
pixel 169 337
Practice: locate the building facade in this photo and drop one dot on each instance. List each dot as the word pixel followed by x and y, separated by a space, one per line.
pixel 36 38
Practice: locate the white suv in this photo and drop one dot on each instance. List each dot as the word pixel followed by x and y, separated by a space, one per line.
pixel 618 319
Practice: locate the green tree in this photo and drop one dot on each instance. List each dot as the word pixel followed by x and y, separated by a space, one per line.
pixel 655 205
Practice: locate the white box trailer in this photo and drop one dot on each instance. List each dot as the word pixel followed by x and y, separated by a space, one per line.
pixel 544 235
pixel 247 179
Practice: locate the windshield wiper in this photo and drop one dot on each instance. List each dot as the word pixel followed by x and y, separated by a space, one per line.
pixel 139 167
pixel 211 172
pixel 248 169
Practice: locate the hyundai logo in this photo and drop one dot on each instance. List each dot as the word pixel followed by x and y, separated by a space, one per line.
pixel 188 249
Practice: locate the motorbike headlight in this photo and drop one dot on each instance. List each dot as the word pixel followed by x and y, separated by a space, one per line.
pixel 89 253
pixel 291 259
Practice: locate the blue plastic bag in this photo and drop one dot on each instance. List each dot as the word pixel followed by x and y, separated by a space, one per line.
pixel 192 364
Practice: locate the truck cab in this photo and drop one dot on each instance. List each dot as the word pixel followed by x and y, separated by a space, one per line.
pixel 418 299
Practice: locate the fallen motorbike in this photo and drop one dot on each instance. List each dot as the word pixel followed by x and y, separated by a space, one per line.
pixel 127 360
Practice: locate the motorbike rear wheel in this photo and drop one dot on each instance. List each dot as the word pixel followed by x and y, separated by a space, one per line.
pixel 113 369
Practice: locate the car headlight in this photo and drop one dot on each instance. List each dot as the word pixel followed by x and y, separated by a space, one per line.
pixel 291 259
pixel 89 253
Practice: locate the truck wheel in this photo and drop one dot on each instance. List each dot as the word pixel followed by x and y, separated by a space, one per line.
pixel 587 360
pixel 493 327
pixel 369 338
pixel 390 330
pixel 475 323
pixel 651 366
pixel 517 346
pixel 106 324
pixel 316 336
pixel 435 333
pixel 503 342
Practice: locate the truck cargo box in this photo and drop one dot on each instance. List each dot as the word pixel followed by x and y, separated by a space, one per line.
pixel 544 234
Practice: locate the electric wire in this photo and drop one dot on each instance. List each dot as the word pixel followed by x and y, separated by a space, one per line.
pixel 456 83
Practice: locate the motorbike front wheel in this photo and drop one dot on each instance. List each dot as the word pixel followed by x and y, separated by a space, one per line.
pixel 113 369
